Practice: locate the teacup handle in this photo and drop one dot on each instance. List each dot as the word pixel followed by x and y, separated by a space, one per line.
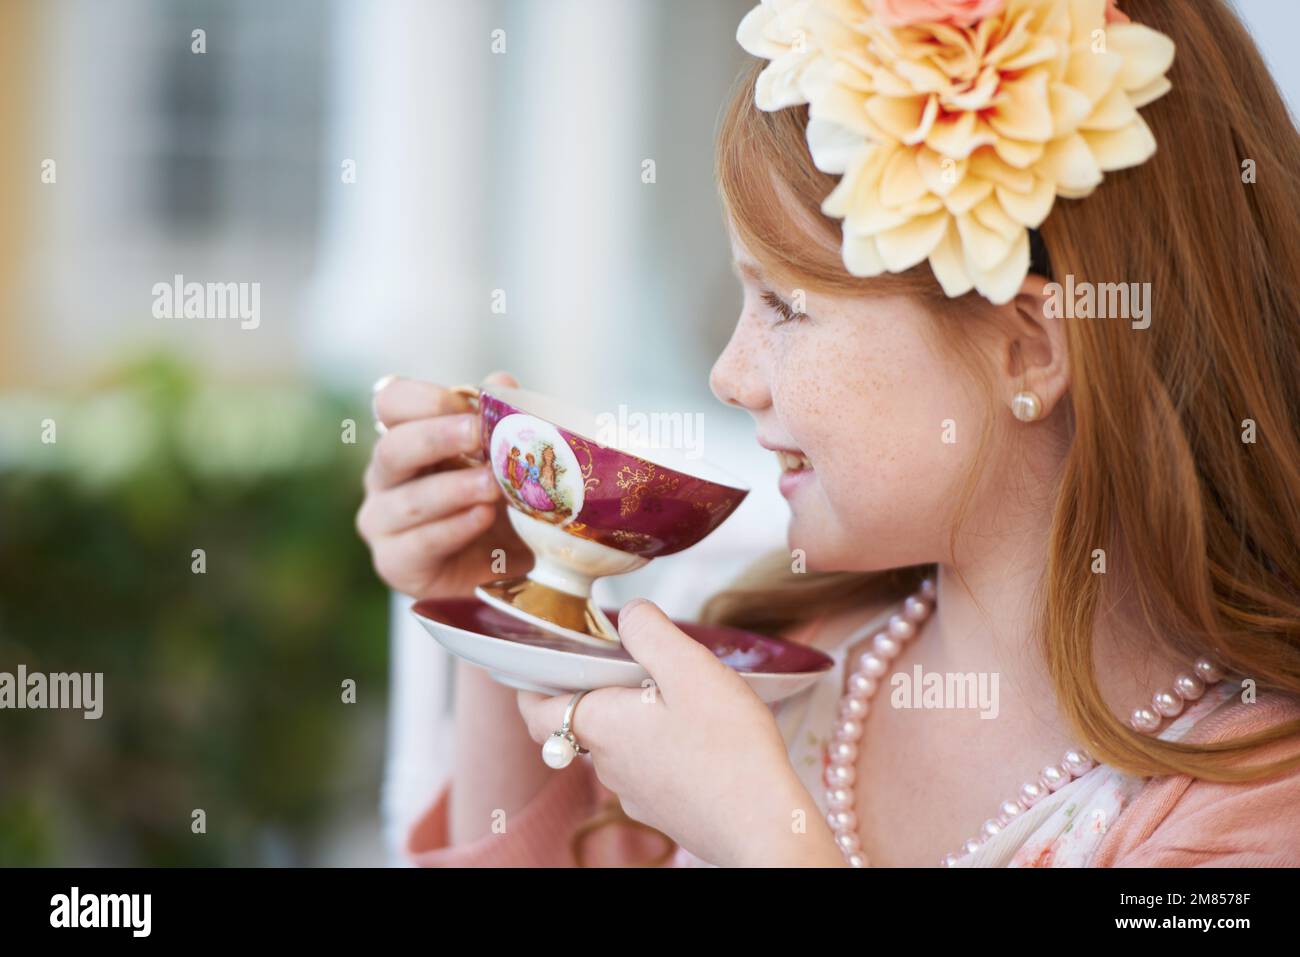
pixel 471 394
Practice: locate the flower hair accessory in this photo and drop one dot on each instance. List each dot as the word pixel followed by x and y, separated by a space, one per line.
pixel 955 124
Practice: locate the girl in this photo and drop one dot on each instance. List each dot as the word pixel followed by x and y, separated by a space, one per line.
pixel 1094 503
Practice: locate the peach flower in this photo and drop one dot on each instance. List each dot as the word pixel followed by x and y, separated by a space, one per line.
pixel 953 142
pixel 962 13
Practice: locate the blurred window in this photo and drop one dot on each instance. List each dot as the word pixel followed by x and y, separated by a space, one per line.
pixel 238 129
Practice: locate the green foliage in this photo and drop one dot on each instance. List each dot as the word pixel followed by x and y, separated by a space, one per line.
pixel 222 690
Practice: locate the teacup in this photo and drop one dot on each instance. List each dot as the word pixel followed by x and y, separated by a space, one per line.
pixel 586 509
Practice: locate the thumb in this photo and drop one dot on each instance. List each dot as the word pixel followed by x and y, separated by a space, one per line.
pixel 501 378
pixel 676 661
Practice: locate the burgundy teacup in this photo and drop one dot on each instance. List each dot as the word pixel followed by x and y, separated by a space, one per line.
pixel 587 509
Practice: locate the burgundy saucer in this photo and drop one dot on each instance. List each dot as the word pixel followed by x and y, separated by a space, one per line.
pixel 525 656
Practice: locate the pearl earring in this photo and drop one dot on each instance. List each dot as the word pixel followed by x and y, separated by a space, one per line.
pixel 1026 406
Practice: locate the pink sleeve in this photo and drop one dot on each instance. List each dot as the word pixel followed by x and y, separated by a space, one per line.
pixel 1226 825
pixel 1181 822
pixel 541 833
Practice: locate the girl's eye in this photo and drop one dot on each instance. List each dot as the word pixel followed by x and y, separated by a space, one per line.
pixel 781 308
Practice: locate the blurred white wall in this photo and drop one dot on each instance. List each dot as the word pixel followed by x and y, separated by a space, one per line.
pixel 1275 24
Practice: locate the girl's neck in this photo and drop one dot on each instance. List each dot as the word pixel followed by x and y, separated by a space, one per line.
pixel 986 619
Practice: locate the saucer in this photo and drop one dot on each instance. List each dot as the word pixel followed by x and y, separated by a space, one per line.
pixel 523 656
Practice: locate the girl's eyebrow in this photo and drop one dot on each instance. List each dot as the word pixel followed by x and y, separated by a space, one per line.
pixel 746 270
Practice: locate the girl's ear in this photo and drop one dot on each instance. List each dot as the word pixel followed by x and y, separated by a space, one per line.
pixel 1032 354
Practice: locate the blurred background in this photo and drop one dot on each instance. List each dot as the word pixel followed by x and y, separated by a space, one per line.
pixel 436 188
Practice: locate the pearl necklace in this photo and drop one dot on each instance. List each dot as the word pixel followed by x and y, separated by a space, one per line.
pixel 842 752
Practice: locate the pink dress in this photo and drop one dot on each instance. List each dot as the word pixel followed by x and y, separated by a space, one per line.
pixel 1104 818
pixel 533 493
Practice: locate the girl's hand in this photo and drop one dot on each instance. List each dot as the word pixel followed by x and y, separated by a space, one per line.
pixel 433 524
pixel 695 754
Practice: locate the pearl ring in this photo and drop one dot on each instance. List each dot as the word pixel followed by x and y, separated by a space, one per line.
pixel 561 747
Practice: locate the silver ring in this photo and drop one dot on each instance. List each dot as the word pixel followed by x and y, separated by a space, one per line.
pixel 559 750
pixel 566 728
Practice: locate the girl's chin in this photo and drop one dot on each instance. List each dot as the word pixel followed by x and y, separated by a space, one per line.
pixel 819 542
pixel 812 541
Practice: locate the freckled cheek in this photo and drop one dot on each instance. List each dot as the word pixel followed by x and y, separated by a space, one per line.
pixel 804 401
pixel 829 392
pixel 869 421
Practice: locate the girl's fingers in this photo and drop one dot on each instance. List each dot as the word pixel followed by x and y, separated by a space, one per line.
pixel 421 500
pixel 397 400
pixel 543 715
pixel 501 378
pixel 396 556
pixel 600 714
pixel 407 449
pixel 679 665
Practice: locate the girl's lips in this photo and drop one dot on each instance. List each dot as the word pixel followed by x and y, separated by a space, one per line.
pixel 796 470
pixel 792 480
pixel 792 461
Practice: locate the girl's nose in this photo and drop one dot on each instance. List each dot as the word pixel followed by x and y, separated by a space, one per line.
pixel 736 377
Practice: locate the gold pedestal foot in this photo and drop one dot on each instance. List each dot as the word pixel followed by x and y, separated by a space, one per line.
pixel 550 608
